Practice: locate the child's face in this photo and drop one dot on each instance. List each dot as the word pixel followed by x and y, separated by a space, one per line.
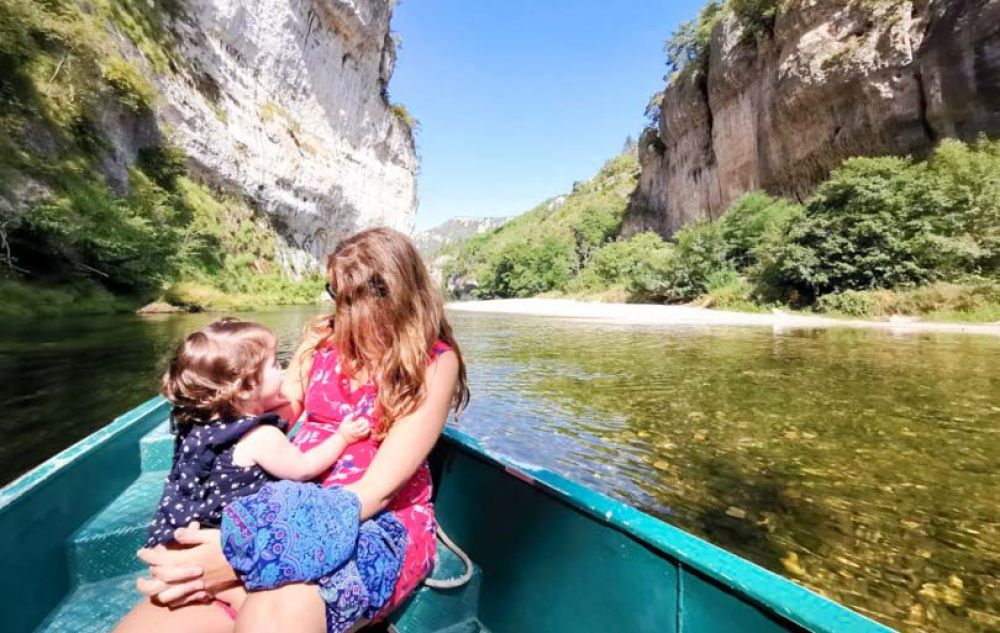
pixel 270 384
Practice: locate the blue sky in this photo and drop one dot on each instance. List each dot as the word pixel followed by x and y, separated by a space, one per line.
pixel 518 98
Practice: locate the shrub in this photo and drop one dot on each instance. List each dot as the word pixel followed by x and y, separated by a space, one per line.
pixel 854 303
pixel 890 222
pixel 596 225
pixel 726 289
pixel 524 270
pixel 974 300
pixel 699 251
pixel 965 206
pixel 403 115
pixel 634 264
pixel 756 16
pixel 163 163
pixel 688 45
pixel 867 227
pixel 754 226
pixel 131 89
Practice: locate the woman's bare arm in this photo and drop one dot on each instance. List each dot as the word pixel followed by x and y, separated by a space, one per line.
pixel 409 441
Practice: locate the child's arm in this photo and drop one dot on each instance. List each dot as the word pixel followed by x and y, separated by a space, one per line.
pixel 268 447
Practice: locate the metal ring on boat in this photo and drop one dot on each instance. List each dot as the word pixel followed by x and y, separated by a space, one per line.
pixel 458 581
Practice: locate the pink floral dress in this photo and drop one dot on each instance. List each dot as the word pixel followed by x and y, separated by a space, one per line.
pixel 329 399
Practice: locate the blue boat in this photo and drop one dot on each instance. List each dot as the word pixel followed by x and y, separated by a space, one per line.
pixel 547 554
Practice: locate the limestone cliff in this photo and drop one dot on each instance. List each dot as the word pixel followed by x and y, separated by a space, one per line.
pixel 451 231
pixel 834 79
pixel 282 104
pixel 285 100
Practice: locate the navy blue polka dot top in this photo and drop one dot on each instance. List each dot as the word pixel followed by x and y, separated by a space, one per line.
pixel 203 477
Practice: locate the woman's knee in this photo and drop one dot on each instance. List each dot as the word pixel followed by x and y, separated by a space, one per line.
pixel 147 617
pixel 296 608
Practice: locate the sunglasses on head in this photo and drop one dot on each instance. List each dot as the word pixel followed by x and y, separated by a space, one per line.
pixel 376 286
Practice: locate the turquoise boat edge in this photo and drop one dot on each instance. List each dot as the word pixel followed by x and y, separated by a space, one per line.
pixel 48 469
pixel 776 593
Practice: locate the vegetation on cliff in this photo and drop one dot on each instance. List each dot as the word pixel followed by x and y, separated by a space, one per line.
pixel 67 229
pixel 881 236
pixel 547 247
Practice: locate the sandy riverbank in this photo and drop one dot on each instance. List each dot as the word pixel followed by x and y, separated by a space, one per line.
pixel 686 315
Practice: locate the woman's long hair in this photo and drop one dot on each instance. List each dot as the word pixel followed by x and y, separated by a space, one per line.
pixel 387 318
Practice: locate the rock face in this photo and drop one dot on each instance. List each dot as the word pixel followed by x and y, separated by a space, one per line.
pixel 838 78
pixel 431 241
pixel 285 102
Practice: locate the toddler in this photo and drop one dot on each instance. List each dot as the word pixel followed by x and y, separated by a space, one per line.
pixel 221 380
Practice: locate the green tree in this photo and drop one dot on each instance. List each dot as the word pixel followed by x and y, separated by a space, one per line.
pixel 756 16
pixel 525 270
pixel 688 45
pixel 754 226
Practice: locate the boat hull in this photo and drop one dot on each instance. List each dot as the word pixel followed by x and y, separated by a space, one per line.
pixel 550 555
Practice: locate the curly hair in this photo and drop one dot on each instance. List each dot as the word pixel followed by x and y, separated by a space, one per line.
pixel 215 371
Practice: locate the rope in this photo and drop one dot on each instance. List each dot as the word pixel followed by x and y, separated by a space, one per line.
pixel 458 581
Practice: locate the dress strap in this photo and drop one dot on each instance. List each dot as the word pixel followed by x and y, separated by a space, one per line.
pixel 440 347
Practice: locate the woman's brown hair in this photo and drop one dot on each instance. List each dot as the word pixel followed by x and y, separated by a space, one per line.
pixel 387 317
pixel 216 370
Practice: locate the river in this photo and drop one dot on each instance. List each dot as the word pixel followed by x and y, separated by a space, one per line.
pixel 862 464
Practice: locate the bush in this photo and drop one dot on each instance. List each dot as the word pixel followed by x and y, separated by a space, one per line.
pixel 699 251
pixel 527 270
pixel 867 227
pixel 754 226
pixel 890 222
pixel 726 289
pixel 688 45
pixel 972 301
pixel 853 303
pixel 635 264
pixel 756 16
pixel 965 206
pixel 163 163
pixel 22 300
pixel 131 89
pixel 403 115
pixel 597 224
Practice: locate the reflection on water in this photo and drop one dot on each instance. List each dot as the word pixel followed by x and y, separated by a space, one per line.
pixel 861 464
pixel 62 379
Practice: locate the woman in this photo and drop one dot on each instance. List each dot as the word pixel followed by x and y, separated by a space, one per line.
pixel 388 353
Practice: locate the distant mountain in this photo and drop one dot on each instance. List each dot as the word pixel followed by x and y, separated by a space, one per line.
pixel 431 241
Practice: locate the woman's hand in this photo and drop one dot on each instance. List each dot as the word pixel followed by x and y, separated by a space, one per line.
pixel 192 573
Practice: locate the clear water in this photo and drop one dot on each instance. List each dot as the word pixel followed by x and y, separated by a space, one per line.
pixel 862 464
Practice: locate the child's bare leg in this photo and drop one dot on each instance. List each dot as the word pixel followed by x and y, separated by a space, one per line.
pixel 233 596
pixel 297 608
